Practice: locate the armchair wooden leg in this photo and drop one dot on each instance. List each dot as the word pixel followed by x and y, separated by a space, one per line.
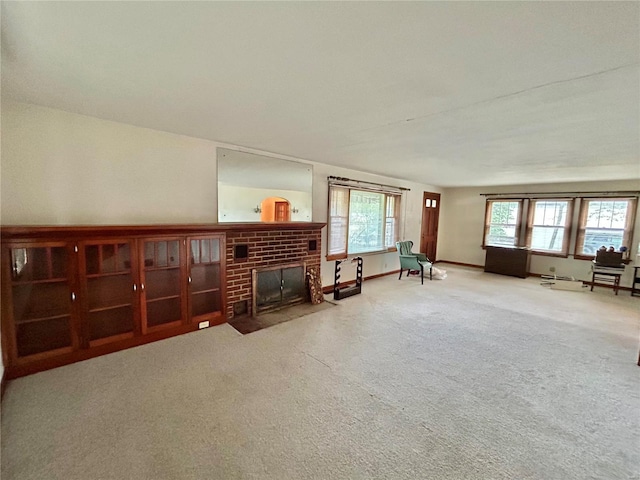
pixel 421 274
pixel 400 277
pixel 430 273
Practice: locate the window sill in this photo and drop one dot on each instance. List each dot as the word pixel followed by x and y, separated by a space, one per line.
pixel 550 254
pixel 591 258
pixel 584 257
pixel 343 256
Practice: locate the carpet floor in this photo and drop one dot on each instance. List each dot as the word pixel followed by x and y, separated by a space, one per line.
pixel 477 376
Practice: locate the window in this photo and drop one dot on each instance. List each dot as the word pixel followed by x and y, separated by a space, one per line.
pixel 361 221
pixel 502 222
pixel 549 225
pixel 338 221
pixel 605 222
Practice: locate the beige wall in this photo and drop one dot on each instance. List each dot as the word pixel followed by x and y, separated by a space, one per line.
pixel 462 226
pixel 61 168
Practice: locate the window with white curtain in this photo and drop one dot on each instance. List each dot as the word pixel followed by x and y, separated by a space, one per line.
pixel 361 221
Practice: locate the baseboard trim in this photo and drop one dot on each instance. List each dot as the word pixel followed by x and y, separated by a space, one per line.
pixel 585 282
pixel 471 265
pixel 329 288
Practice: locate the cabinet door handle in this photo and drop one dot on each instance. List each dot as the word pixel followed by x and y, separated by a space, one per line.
pixel 73 296
pixel 142 287
pixel 135 287
pixel 189 280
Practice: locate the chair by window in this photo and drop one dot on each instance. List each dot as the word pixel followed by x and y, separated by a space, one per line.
pixel 413 261
pixel 607 268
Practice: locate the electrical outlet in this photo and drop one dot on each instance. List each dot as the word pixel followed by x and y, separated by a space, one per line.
pixel 203 324
pixel 552 269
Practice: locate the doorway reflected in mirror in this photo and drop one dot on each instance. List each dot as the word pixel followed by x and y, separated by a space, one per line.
pixel 275 209
pixel 249 187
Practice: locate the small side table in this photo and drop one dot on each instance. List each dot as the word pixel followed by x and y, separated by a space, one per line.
pixel 635 287
pixel 606 275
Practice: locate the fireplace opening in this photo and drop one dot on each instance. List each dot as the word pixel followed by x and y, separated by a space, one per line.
pixel 278 287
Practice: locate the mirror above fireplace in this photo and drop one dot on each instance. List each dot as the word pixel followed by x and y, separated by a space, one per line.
pixel 258 188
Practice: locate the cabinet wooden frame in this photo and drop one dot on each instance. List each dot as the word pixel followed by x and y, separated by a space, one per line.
pixel 85 277
pixel 82 299
pixel 10 354
pixel 214 317
pixel 144 270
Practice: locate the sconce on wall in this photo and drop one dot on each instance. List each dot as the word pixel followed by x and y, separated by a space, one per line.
pixel 257 209
pixel 294 210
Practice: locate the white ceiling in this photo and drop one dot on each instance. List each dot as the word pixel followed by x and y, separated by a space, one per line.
pixel 443 93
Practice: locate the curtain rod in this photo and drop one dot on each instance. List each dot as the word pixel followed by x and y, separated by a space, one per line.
pixel 344 179
pixel 561 194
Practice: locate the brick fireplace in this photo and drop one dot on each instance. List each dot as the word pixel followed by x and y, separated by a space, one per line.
pixel 262 246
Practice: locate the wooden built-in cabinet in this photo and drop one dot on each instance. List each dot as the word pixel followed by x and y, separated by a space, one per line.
pixel 108 291
pixel 162 283
pixel 38 292
pixel 205 287
pixel 68 295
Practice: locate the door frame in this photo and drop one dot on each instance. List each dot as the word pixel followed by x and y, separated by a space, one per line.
pixel 431 196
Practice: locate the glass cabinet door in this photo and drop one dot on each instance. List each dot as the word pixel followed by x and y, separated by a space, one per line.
pixel 41 299
pixel 205 293
pixel 161 283
pixel 110 291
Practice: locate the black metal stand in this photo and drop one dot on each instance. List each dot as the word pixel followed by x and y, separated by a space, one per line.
pixel 635 287
pixel 343 292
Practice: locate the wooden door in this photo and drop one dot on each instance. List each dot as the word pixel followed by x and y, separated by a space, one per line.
pixel 162 279
pixel 429 233
pixel 282 211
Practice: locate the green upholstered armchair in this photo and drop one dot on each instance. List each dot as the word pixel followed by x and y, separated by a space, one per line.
pixel 413 261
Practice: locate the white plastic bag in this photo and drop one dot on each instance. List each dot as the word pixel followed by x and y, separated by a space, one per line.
pixel 438 273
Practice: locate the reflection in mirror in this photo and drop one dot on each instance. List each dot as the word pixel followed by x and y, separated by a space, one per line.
pixel 19 261
pixel 256 188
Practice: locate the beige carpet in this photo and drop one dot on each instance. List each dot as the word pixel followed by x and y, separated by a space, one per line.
pixel 475 377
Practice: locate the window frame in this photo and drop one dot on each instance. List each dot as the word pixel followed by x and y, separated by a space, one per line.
pixel 567 227
pixel 332 250
pixel 582 221
pixel 518 225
